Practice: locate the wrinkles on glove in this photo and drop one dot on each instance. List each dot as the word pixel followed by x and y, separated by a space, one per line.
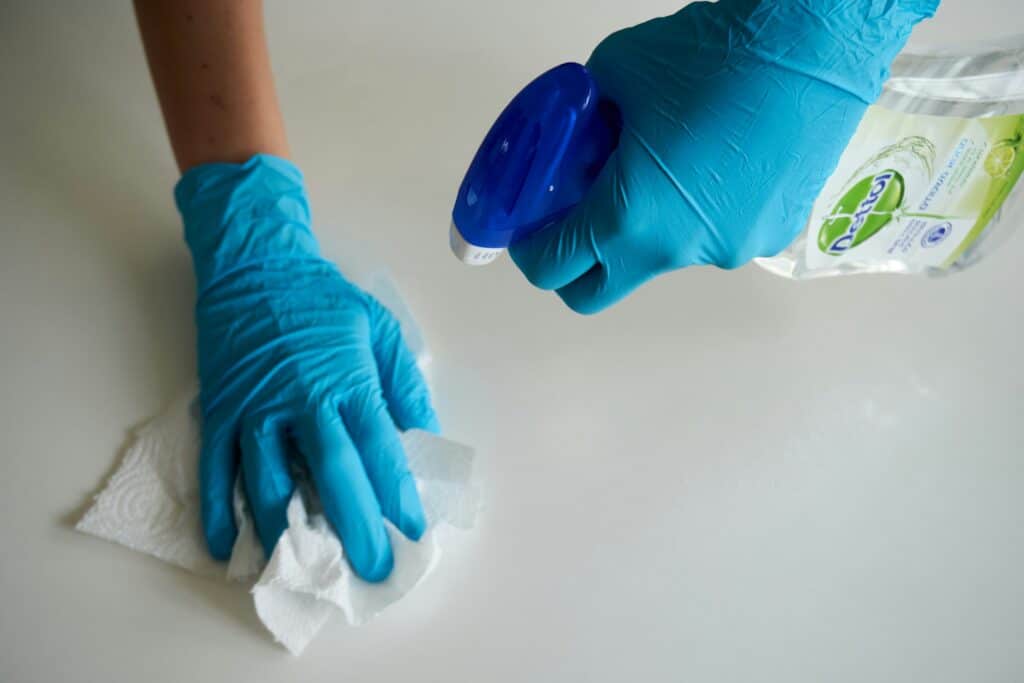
pixel 829 40
pixel 734 114
pixel 222 202
pixel 297 367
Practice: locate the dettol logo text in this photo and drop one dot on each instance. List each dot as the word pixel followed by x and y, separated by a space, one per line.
pixel 866 208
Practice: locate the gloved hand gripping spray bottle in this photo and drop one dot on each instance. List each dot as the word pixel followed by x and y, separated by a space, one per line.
pixel 953 113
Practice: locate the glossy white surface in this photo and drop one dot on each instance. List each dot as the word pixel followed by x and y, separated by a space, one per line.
pixel 730 477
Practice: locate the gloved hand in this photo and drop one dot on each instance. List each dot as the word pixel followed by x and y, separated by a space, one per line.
pixel 294 357
pixel 734 116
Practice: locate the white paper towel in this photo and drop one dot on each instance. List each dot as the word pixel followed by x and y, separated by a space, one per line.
pixel 151 504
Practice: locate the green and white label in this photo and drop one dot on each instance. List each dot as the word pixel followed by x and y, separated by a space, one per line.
pixel 915 189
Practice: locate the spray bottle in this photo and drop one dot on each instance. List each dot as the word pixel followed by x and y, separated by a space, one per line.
pixel 928 184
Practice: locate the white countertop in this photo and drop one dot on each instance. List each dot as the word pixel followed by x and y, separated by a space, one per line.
pixel 730 477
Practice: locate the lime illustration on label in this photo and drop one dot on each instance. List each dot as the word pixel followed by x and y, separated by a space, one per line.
pixel 1000 160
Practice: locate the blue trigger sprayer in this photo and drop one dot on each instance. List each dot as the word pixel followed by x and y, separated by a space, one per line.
pixel 536 163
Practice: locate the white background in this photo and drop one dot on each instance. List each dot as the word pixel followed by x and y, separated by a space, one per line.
pixel 730 477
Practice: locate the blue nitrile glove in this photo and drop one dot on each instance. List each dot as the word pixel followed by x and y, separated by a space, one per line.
pixel 293 357
pixel 734 115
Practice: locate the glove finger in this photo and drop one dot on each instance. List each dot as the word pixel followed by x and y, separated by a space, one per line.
pixel 591 293
pixel 345 492
pixel 218 467
pixel 383 456
pixel 553 257
pixel 404 388
pixel 268 483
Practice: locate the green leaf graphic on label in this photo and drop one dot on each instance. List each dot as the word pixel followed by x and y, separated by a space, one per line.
pixel 866 208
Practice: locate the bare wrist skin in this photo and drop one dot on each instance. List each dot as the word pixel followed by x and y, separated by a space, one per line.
pixel 211 67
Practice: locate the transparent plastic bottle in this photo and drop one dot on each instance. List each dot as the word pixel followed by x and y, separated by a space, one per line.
pixel 929 183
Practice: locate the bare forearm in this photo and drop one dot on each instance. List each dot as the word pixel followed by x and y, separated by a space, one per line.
pixel 211 68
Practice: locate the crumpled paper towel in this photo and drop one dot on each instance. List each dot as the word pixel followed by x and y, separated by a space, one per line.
pixel 151 504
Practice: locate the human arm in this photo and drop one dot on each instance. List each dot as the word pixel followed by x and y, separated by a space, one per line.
pixel 211 68
pixel 298 367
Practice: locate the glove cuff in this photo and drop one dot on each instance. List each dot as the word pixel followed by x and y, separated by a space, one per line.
pixel 848 44
pixel 239 215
